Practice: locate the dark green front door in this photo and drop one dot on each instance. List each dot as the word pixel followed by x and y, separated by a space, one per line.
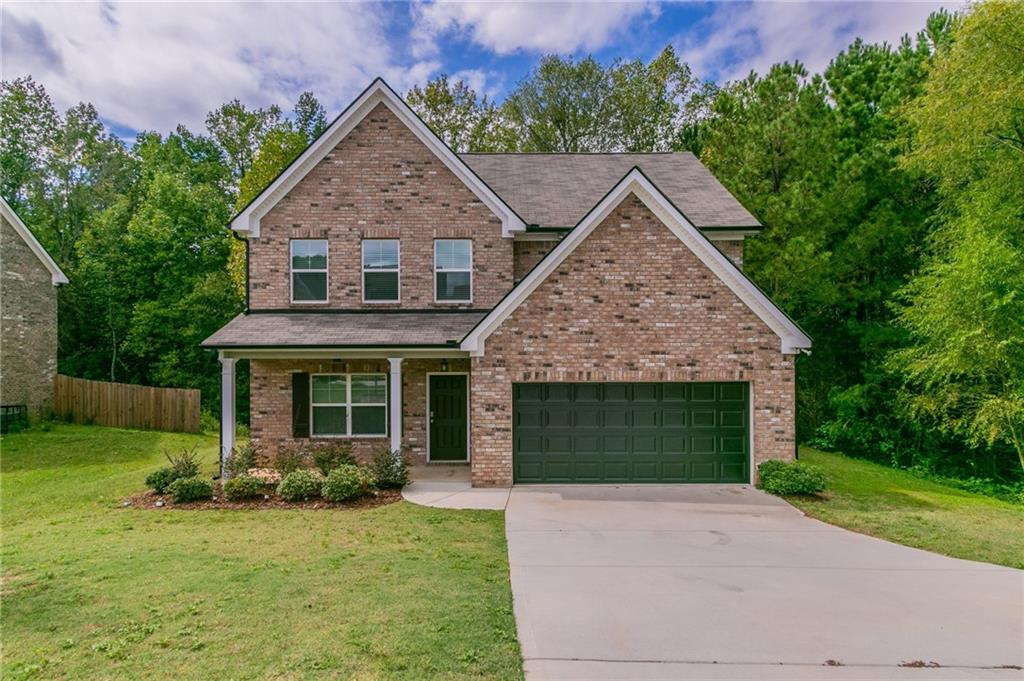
pixel 631 432
pixel 448 417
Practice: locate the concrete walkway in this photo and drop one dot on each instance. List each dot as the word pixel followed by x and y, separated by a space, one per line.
pixel 659 582
pixel 448 486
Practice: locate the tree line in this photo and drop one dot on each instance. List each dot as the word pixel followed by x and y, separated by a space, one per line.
pixel 889 186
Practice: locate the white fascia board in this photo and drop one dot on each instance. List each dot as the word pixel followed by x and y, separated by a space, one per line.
pixel 57 275
pixel 793 339
pixel 247 222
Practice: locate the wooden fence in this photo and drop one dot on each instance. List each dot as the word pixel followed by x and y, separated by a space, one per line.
pixel 124 405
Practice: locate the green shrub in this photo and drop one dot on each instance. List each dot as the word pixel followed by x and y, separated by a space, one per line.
pixel 289 459
pixel 243 487
pixel 243 458
pixel 390 469
pixel 159 480
pixel 330 455
pixel 785 478
pixel 299 485
pixel 184 490
pixel 208 423
pixel 346 482
pixel 184 464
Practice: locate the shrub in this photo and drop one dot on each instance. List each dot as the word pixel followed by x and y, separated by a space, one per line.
pixel 185 464
pixel 184 490
pixel 289 459
pixel 159 480
pixel 347 482
pixel 208 423
pixel 390 469
pixel 243 487
pixel 299 485
pixel 330 455
pixel 785 478
pixel 243 458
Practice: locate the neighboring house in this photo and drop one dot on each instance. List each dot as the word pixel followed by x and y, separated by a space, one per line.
pixel 545 317
pixel 28 330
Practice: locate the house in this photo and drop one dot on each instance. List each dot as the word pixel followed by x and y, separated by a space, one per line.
pixel 28 330
pixel 543 317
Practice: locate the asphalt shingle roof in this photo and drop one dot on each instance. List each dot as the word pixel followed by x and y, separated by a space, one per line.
pixel 557 190
pixel 343 329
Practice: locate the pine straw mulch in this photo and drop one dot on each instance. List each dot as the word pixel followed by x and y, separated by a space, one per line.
pixel 159 502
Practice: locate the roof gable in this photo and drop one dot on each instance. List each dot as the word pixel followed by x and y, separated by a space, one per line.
pixel 57 276
pixel 248 219
pixel 792 337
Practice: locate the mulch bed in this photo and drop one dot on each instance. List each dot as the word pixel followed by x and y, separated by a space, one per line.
pixel 160 502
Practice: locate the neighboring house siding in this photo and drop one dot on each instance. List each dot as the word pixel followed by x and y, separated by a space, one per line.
pixel 528 254
pixel 733 249
pixel 28 336
pixel 631 303
pixel 271 401
pixel 379 182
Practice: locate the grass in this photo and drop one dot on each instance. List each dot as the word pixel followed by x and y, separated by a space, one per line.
pixel 901 507
pixel 94 590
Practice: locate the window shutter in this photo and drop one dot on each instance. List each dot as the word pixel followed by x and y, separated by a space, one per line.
pixel 300 404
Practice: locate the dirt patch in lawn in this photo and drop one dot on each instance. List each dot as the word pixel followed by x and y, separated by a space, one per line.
pixel 151 500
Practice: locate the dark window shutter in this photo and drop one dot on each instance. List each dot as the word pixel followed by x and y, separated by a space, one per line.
pixel 300 404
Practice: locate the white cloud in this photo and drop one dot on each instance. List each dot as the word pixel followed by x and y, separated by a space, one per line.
pixel 507 27
pixel 737 38
pixel 153 65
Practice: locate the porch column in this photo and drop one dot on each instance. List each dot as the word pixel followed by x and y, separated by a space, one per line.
pixel 395 426
pixel 227 410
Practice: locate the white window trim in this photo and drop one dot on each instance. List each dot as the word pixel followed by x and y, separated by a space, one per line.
pixel 348 408
pixel 470 270
pixel 397 270
pixel 292 271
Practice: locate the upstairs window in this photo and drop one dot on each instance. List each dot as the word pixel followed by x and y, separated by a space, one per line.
pixel 380 271
pixel 309 270
pixel 453 270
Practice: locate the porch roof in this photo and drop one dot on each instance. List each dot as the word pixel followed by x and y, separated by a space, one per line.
pixel 345 329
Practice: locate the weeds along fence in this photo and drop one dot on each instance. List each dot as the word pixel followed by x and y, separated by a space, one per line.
pixel 124 405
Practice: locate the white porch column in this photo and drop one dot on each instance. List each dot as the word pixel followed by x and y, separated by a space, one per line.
pixel 395 405
pixel 227 410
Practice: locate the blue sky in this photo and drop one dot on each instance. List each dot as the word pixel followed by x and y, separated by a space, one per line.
pixel 153 65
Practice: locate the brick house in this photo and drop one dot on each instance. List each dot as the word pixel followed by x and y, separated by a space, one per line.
pixel 541 317
pixel 28 305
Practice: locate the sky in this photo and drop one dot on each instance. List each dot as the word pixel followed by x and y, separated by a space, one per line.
pixel 152 65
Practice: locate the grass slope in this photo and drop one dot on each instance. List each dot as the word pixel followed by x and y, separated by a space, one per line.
pixel 904 508
pixel 94 590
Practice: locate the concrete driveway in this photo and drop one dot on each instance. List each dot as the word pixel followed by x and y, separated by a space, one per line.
pixel 658 582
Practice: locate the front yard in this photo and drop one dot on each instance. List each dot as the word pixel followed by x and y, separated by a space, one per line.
pixel 94 590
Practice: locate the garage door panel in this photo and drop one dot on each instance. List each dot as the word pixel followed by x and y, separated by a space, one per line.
pixel 622 432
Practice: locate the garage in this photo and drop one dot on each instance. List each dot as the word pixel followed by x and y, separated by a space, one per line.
pixel 631 432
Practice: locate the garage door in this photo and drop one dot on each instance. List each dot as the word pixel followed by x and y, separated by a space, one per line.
pixel 631 432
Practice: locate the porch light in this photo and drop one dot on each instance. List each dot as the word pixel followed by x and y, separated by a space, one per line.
pixel 444 365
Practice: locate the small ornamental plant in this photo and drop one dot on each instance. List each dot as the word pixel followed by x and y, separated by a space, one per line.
pixel 786 478
pixel 243 487
pixel 346 482
pixel 300 485
pixel 289 459
pixel 329 455
pixel 390 469
pixel 184 490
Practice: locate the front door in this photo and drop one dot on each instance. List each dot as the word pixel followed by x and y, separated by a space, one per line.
pixel 448 417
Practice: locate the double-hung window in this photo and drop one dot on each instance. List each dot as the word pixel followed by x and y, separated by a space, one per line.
pixel 345 405
pixel 453 270
pixel 380 270
pixel 309 270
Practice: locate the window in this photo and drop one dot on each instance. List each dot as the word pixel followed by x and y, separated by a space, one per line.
pixel 309 271
pixel 349 404
pixel 453 270
pixel 380 270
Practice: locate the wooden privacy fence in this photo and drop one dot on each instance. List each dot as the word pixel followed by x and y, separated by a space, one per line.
pixel 124 405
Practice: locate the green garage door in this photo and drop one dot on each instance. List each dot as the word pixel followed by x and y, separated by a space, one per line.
pixel 631 432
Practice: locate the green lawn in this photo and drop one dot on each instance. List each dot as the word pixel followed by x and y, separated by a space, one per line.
pixel 94 590
pixel 904 508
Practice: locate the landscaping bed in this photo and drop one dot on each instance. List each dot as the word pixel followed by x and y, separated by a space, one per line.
pixel 151 500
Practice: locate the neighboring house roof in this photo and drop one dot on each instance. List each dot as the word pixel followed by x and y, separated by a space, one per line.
pixel 57 276
pixel 636 182
pixel 557 190
pixel 379 92
pixel 344 329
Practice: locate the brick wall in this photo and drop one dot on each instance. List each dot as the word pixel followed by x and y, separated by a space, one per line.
pixel 732 248
pixel 529 253
pixel 28 331
pixel 271 399
pixel 379 182
pixel 631 303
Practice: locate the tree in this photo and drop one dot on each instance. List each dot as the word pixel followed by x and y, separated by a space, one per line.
pixel 30 124
pixel 240 131
pixel 456 114
pixel 646 101
pixel 310 116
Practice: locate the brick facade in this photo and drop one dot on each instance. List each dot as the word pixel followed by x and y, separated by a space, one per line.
pixel 379 182
pixel 28 333
pixel 648 312
pixel 528 254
